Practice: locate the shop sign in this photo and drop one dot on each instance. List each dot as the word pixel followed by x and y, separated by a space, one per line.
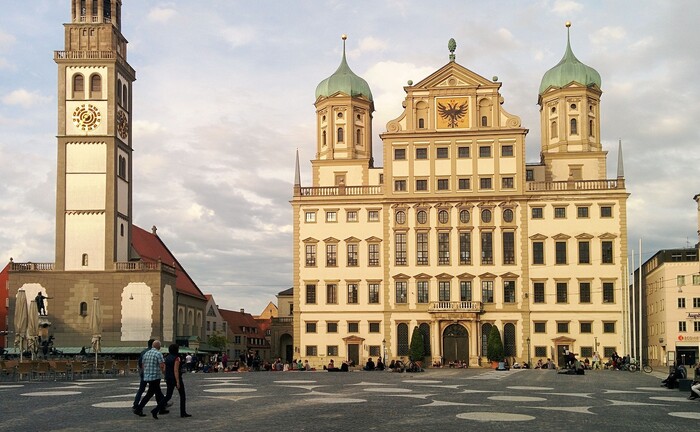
pixel 694 315
pixel 684 338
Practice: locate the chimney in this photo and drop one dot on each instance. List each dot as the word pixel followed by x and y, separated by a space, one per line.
pixel 242 310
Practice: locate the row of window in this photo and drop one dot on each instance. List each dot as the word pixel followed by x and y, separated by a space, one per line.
pixel 341 136
pixel 683 326
pixel 561 252
pixel 211 326
pixel 352 326
pixel 563 327
pixel 463 152
pixel 464 293
pixel 696 300
pixel 582 212
pixel 584 352
pixel 463 183
pixel 573 128
pixel 95 90
pixel 351 216
pixel 444 250
pixel 486 215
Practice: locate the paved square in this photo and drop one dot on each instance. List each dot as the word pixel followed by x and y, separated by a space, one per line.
pixel 446 399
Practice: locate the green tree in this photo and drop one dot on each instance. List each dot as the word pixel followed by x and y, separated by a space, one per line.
pixel 417 352
pixel 494 346
pixel 218 341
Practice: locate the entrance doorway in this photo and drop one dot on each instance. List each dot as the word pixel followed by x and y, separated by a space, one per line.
pixel 561 355
pixel 686 355
pixel 455 344
pixel 354 353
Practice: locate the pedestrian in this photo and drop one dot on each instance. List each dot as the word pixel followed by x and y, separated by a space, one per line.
pixel 142 383
pixel 173 378
pixel 153 367
pixel 39 299
pixel 188 362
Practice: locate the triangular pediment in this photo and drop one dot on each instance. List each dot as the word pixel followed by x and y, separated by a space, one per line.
pixel 509 275
pixel 352 239
pixel 465 276
pixel 402 276
pixel 538 237
pixel 607 236
pixel 487 275
pixel 310 240
pixel 454 75
pixel 331 240
pixel 443 276
pixel 563 340
pixel 584 236
pixel 422 276
pixel 561 236
pixel 373 239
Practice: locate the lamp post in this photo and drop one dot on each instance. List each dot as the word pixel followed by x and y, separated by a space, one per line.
pixel 528 353
pixel 384 351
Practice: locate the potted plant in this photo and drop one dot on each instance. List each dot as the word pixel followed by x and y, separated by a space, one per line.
pixel 494 347
pixel 417 352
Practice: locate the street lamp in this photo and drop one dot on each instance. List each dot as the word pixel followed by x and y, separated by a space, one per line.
pixel 384 351
pixel 529 361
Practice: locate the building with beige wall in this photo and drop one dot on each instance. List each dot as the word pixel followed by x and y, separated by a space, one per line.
pixel 457 233
pixel 144 292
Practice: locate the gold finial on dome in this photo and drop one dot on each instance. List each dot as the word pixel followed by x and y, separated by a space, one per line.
pixel 344 37
pixel 568 24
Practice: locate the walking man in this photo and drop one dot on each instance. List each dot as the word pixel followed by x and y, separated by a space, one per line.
pixel 153 368
pixel 142 383
pixel 39 299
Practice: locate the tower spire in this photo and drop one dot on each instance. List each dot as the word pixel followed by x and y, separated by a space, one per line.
pixel 297 172
pixel 620 164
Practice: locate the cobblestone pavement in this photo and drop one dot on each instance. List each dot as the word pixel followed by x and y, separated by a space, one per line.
pixel 442 399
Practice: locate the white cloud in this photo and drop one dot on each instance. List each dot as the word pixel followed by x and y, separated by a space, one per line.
pixel 161 14
pixel 238 36
pixel 605 35
pixel 144 127
pixel 198 212
pixel 564 7
pixel 372 44
pixel 24 98
pixel 6 40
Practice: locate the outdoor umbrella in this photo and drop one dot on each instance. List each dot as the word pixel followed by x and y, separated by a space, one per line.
pixel 21 317
pixel 33 329
pixel 96 327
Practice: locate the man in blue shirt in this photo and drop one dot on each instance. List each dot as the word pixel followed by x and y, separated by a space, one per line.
pixel 153 368
pixel 142 383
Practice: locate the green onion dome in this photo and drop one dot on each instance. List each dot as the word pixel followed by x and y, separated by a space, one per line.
pixel 568 70
pixel 344 80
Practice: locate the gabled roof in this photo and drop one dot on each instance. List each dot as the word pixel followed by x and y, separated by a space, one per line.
pixel 237 320
pixel 151 249
pixel 287 292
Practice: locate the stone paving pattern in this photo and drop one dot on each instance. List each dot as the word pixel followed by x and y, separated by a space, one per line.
pixel 441 399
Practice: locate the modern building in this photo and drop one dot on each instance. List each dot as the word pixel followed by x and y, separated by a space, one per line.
pixel 457 233
pixel 143 291
pixel 670 315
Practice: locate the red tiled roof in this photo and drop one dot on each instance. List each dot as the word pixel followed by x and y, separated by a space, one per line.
pixel 151 248
pixel 264 324
pixel 236 320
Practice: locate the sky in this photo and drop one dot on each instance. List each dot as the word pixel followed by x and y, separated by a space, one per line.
pixel 224 98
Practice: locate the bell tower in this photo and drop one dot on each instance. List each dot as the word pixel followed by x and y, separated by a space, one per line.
pixel 569 100
pixel 94 172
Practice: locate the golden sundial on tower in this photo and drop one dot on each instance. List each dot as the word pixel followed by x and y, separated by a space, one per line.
pixel 452 113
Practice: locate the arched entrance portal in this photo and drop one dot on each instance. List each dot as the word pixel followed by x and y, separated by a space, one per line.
pixel 455 343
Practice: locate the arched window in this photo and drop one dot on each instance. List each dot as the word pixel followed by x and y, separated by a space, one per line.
pixel 85 260
pixel 425 329
pixel 421 123
pixel 590 127
pixel 83 309
pixel 358 137
pixel 402 339
pixel 554 132
pixel 485 330
pixel 340 135
pixel 96 86
pixel 119 92
pixel 78 86
pixel 125 96
pixel 83 8
pixel 484 121
pixel 574 127
pixel 323 138
pixel 509 340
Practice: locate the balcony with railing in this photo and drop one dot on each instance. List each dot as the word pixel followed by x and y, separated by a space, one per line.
pixel 575 185
pixel 94 55
pixel 455 306
pixel 283 321
pixel 30 267
pixel 145 266
pixel 340 190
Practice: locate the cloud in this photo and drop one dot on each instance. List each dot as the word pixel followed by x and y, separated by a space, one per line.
pixel 238 36
pixel 6 40
pixel 368 44
pixel 161 14
pixel 606 35
pixel 25 98
pixel 565 7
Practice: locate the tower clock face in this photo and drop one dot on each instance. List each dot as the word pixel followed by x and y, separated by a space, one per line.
pixel 122 125
pixel 86 117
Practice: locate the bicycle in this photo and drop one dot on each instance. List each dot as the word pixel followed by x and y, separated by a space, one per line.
pixel 634 367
